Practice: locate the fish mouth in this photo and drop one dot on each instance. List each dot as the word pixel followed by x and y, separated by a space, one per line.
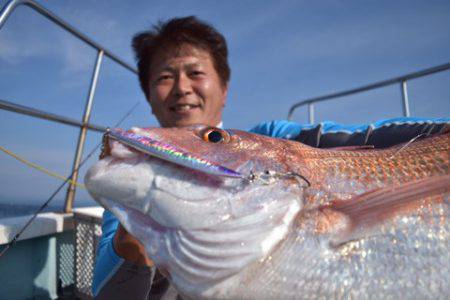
pixel 166 193
pixel 169 153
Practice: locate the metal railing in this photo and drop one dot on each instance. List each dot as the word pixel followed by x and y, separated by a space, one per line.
pixel 84 124
pixel 401 80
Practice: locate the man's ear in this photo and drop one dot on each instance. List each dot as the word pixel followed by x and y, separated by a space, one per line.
pixel 150 104
pixel 225 94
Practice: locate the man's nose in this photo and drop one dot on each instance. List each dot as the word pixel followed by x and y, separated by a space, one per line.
pixel 182 85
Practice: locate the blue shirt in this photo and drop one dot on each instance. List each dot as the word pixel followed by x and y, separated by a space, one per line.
pixel 326 134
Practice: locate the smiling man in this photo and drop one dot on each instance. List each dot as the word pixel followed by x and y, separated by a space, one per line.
pixel 184 87
pixel 184 74
pixel 183 71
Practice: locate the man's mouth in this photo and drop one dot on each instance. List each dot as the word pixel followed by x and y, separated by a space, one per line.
pixel 182 108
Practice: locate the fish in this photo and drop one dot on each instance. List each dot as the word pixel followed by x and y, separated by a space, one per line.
pixel 228 214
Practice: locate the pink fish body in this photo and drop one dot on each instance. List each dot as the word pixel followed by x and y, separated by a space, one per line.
pixel 233 215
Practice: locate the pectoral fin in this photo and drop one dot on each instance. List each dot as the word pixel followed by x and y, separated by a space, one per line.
pixel 365 212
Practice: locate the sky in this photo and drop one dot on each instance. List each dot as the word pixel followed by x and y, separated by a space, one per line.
pixel 280 52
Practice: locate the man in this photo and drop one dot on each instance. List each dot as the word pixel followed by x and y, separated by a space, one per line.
pixel 184 74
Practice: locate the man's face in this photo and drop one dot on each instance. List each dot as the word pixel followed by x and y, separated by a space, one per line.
pixel 185 88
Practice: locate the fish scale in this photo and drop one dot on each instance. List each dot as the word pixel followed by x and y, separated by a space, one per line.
pixel 363 265
pixel 417 162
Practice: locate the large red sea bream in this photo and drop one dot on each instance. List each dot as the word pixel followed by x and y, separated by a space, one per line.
pixel 231 215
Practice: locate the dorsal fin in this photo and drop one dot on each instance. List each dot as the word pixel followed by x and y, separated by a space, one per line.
pixel 365 211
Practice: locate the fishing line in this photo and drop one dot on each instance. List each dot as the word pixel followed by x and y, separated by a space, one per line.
pixel 406 145
pixel 425 134
pixel 45 204
pixel 40 168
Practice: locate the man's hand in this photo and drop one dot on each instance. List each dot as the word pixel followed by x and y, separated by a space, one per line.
pixel 129 248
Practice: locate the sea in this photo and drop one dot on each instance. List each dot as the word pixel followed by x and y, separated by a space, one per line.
pixel 10 209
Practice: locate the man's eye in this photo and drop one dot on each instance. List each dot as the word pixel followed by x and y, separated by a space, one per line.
pixel 163 78
pixel 196 73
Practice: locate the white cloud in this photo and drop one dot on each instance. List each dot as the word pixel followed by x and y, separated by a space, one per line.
pixel 27 36
pixel 17 44
pixel 78 58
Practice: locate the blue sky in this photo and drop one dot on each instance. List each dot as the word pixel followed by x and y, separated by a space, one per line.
pixel 280 52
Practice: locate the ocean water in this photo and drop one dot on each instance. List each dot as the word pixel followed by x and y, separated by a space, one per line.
pixel 20 208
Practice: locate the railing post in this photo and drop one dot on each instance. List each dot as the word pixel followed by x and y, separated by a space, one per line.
pixel 311 112
pixel 7 10
pixel 405 99
pixel 82 136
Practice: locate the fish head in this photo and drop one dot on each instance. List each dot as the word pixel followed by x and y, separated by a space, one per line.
pixel 204 201
pixel 233 149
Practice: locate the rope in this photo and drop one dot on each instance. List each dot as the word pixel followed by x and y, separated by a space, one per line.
pixel 40 168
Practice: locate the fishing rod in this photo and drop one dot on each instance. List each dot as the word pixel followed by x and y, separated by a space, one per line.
pixel 45 204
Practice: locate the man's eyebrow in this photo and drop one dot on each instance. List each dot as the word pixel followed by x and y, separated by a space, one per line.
pixel 168 68
pixel 193 65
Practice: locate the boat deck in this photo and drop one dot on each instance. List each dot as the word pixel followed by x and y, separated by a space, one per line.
pixel 54 258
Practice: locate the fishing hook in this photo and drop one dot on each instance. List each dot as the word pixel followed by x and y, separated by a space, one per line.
pixel 267 177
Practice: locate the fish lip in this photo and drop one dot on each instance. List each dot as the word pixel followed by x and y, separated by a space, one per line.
pixel 158 149
pixel 146 219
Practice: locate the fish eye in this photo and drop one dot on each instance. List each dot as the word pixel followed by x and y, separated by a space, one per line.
pixel 216 135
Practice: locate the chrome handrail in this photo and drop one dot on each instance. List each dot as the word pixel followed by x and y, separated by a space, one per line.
pixel 396 80
pixel 33 112
pixel 84 124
